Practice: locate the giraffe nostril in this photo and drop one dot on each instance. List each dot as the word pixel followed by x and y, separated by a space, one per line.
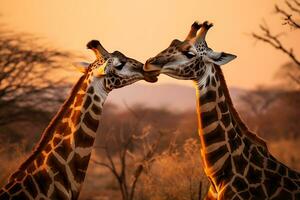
pixel 155 61
pixel 151 61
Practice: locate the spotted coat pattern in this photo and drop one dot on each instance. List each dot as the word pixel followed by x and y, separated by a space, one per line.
pixel 57 167
pixel 236 161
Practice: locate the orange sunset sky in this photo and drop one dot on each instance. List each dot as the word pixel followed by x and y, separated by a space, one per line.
pixel 142 28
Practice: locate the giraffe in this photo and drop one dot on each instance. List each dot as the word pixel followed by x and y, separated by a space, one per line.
pixel 236 161
pixel 56 169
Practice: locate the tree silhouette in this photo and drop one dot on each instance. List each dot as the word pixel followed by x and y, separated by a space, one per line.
pixel 26 85
pixel 290 15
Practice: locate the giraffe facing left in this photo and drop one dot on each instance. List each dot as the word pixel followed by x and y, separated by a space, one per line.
pixel 57 167
pixel 236 161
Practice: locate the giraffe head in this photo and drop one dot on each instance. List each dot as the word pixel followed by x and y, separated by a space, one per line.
pixel 115 68
pixel 188 59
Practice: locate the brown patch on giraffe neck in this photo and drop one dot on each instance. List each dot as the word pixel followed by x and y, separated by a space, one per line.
pixel 50 130
pixel 233 111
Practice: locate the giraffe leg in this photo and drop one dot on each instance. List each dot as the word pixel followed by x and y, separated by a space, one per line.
pixel 211 194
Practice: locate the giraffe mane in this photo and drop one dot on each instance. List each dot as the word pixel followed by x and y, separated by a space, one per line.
pixel 243 126
pixel 49 131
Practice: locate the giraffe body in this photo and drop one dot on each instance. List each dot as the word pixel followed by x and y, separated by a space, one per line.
pixel 236 161
pixel 57 167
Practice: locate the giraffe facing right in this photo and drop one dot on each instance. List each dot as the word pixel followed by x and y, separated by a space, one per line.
pixel 236 161
pixel 56 169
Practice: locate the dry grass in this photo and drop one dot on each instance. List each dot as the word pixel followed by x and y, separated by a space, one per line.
pixel 11 156
pixel 175 175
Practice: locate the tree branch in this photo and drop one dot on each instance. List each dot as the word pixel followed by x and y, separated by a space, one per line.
pixel 287 17
pixel 25 81
pixel 292 7
pixel 272 40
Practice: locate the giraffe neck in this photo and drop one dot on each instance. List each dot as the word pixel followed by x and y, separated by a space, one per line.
pixel 58 166
pixel 223 134
pixel 236 161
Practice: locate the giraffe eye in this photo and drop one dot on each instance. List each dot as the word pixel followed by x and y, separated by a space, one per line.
pixel 189 54
pixel 120 65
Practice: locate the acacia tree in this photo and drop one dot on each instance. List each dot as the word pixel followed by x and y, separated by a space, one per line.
pixel 26 85
pixel 260 99
pixel 290 15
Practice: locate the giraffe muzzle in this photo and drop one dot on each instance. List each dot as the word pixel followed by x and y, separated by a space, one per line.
pixel 152 64
pixel 151 76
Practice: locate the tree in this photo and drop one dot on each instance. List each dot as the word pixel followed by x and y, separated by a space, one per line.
pixel 26 85
pixel 119 148
pixel 289 14
pixel 260 99
pixel 272 113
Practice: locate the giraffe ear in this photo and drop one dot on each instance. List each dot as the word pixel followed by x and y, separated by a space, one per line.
pixel 81 66
pixel 220 58
pixel 100 71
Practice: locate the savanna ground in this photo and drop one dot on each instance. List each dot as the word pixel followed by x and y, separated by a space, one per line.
pixel 173 170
